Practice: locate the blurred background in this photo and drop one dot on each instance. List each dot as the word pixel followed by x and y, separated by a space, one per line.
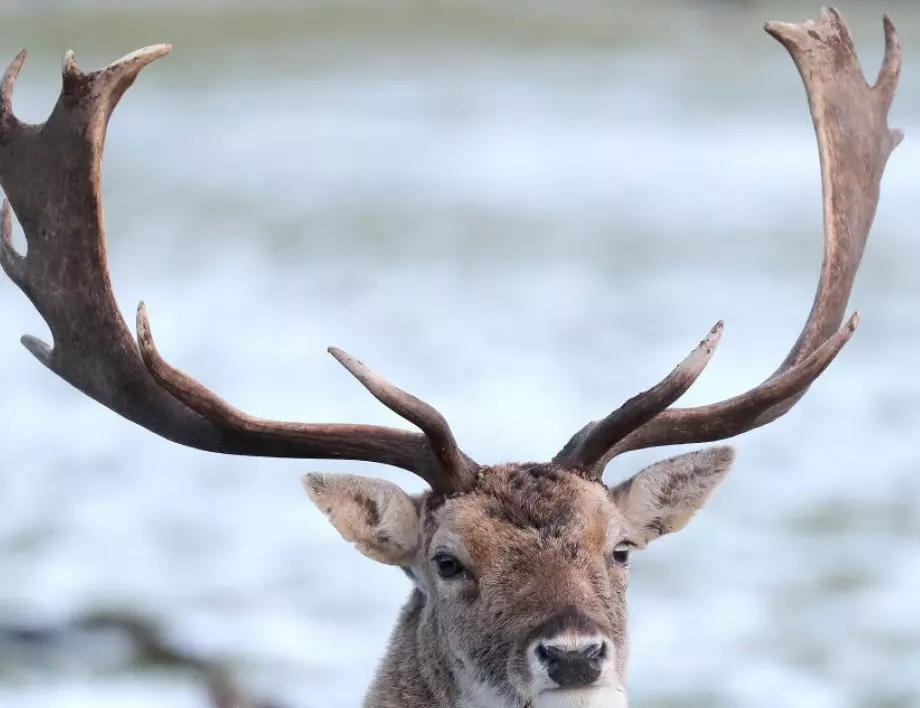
pixel 524 212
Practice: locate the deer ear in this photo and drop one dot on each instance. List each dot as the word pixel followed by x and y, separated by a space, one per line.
pixel 379 518
pixel 664 497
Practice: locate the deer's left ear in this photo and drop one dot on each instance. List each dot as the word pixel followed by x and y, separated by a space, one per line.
pixel 664 497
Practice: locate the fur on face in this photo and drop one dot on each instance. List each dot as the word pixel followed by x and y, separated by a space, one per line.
pixel 529 566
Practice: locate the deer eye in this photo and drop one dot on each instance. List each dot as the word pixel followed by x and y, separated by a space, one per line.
pixel 448 566
pixel 621 554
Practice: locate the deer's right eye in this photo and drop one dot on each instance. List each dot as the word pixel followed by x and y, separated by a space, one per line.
pixel 448 566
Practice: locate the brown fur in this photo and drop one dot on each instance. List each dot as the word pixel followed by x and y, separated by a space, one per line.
pixel 536 544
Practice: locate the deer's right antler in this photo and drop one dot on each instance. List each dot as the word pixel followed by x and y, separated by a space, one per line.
pixel 51 175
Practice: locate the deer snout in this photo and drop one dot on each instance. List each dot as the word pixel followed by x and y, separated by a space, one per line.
pixel 572 667
pixel 570 650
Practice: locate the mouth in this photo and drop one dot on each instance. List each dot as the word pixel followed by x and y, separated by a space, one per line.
pixel 608 687
pixel 596 696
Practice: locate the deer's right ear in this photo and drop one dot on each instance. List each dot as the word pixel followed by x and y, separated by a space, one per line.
pixel 379 518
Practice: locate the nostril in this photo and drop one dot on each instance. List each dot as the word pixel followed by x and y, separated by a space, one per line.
pixel 595 650
pixel 547 653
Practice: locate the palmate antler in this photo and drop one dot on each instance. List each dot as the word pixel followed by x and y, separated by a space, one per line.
pixel 854 142
pixel 51 175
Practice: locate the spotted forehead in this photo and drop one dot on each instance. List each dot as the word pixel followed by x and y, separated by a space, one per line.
pixel 525 504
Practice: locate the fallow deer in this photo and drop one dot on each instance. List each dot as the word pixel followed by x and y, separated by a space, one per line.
pixel 520 570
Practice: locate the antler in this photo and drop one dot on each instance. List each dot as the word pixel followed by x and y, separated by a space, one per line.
pixel 854 142
pixel 51 176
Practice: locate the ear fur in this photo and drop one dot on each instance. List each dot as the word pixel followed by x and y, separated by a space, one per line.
pixel 379 518
pixel 663 497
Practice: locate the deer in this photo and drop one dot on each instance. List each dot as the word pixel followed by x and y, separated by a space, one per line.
pixel 519 570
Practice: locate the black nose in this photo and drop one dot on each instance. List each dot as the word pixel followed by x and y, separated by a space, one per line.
pixel 571 669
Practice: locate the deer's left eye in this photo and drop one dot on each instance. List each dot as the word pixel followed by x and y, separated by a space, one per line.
pixel 620 554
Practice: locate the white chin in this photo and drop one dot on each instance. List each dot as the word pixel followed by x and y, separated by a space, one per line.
pixel 605 697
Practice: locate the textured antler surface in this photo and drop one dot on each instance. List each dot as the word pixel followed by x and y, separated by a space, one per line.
pixel 51 175
pixel 594 440
pixel 854 143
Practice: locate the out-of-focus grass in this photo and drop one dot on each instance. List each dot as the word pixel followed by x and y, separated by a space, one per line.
pixel 206 30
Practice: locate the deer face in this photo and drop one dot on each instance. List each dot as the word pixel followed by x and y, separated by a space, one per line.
pixel 524 577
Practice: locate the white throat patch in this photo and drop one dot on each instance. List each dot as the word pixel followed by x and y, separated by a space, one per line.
pixel 601 697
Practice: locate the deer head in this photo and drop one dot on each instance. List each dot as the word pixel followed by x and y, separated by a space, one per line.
pixel 520 570
pixel 522 578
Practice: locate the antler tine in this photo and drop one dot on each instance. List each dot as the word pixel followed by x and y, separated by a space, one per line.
pixel 739 414
pixel 455 471
pixel 111 82
pixel 7 120
pixel 887 82
pixel 854 144
pixel 593 441
pixel 460 470
pixel 51 176
pixel 361 442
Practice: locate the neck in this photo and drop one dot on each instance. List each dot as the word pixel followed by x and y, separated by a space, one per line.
pixel 417 671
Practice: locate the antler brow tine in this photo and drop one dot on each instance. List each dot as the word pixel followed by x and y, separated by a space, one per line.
pixel 591 443
pixel 417 412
